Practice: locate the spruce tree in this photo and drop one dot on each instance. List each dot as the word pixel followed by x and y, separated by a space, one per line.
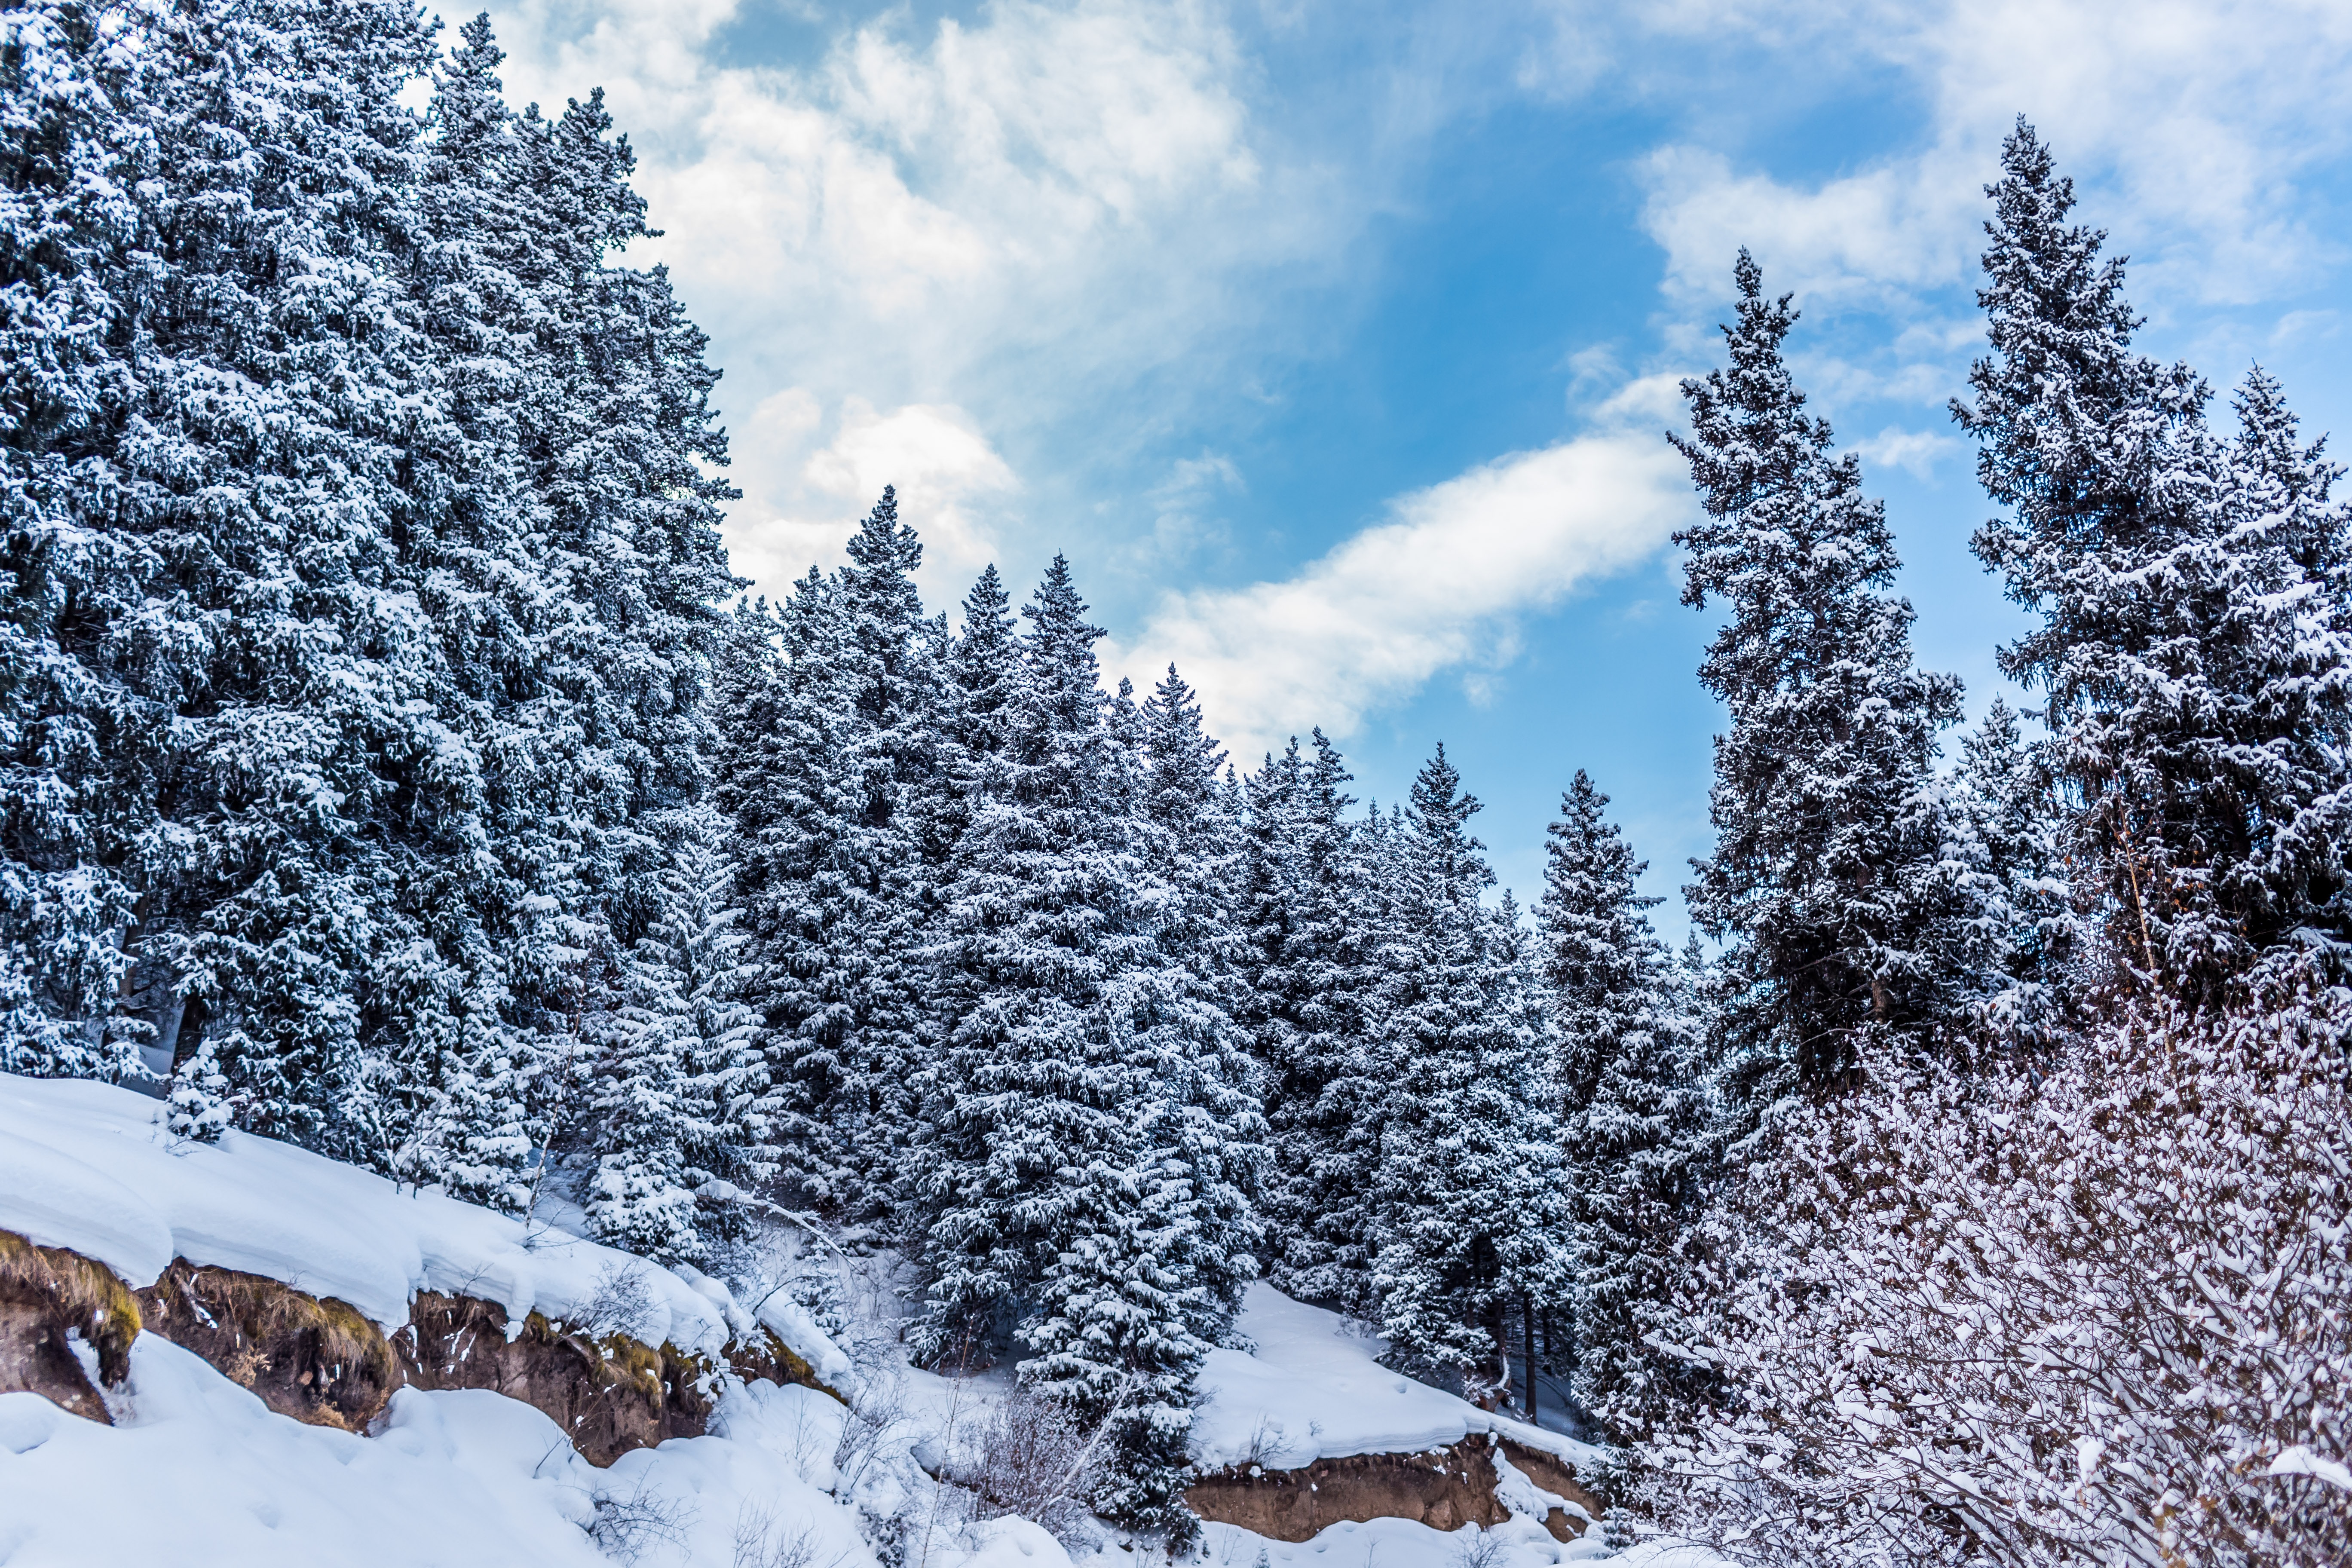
pixel 1089 1143
pixel 678 1104
pixel 1470 1200
pixel 2192 642
pixel 293 678
pixel 1308 882
pixel 1638 1121
pixel 465 1026
pixel 834 780
pixel 1030 1095
pixel 1825 881
pixel 69 821
pixel 2019 933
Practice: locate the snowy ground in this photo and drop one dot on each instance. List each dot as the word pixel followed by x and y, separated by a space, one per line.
pixel 197 1472
pixel 1311 1387
pixel 90 1166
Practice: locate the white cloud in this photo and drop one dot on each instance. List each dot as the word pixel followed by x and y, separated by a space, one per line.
pixel 2188 121
pixel 982 225
pixel 803 499
pixel 1882 231
pixel 1917 452
pixel 1439 585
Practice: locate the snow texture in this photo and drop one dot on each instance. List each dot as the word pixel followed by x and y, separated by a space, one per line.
pixel 1311 1389
pixel 90 1166
pixel 452 1478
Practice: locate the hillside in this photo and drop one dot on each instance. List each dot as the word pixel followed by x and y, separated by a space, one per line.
pixel 784 1476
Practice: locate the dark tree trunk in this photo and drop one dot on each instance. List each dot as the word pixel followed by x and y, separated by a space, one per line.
pixel 1527 1327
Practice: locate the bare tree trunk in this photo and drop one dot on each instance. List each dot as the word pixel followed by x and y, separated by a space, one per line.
pixel 1527 1326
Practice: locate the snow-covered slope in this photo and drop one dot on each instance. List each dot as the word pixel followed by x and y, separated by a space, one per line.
pixel 198 1474
pixel 1311 1389
pixel 90 1167
pixel 196 1471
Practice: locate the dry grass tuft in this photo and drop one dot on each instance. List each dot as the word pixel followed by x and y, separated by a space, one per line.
pixel 79 1294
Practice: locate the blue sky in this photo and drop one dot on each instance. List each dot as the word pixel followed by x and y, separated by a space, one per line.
pixel 1334 342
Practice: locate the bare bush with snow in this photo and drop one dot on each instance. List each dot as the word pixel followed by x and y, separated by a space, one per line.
pixel 2091 1311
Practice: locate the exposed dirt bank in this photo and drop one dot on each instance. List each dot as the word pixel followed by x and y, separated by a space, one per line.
pixel 1442 1487
pixel 321 1361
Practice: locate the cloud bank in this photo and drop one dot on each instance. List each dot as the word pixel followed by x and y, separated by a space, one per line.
pixel 2193 120
pixel 931 241
pixel 1439 585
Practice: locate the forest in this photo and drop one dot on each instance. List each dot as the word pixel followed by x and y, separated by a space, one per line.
pixel 390 763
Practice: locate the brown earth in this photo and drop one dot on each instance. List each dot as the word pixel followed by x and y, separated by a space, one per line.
pixel 610 1394
pixel 1442 1487
pixel 321 1361
pixel 318 1360
pixel 47 1293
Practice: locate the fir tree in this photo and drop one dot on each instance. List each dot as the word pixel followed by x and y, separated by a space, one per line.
pixel 69 819
pixel 466 1023
pixel 1030 1096
pixel 1825 880
pixel 830 784
pixel 1639 1120
pixel 678 1098
pixel 292 678
pixel 1309 910
pixel 2193 630
pixel 1470 1221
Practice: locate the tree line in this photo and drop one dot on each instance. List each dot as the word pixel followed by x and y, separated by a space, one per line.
pixel 389 762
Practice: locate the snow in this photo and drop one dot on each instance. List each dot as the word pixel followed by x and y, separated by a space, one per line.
pixel 1397 1543
pixel 1311 1389
pixel 473 1477
pixel 90 1166
pixel 451 1478
pixel 2301 1462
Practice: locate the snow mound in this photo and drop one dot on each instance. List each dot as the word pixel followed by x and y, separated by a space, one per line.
pixel 1313 1390
pixel 198 1470
pixel 90 1166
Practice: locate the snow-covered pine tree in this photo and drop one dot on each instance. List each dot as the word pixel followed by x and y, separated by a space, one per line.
pixel 67 822
pixel 677 1102
pixel 1126 1316
pixel 1470 1202
pixel 832 786
pixel 1306 883
pixel 293 681
pixel 1087 1149
pixel 1638 1124
pixel 1030 1094
pixel 2018 931
pixel 1206 1124
pixel 1825 882
pixel 616 425
pixel 466 1023
pixel 2194 626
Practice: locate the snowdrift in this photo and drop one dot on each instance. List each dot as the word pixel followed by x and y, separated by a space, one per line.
pixel 90 1167
pixel 1311 1388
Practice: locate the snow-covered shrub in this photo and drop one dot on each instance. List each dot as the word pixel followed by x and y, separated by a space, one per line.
pixel 2096 1309
pixel 1032 1458
pixel 765 1539
pixel 625 1527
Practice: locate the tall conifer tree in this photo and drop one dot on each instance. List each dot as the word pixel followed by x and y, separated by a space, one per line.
pixel 1638 1119
pixel 2193 636
pixel 1470 1200
pixel 1825 878
pixel 71 812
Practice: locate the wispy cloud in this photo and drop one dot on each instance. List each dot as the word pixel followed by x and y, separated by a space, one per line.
pixel 2189 120
pixel 1439 585
pixel 939 235
pixel 804 490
